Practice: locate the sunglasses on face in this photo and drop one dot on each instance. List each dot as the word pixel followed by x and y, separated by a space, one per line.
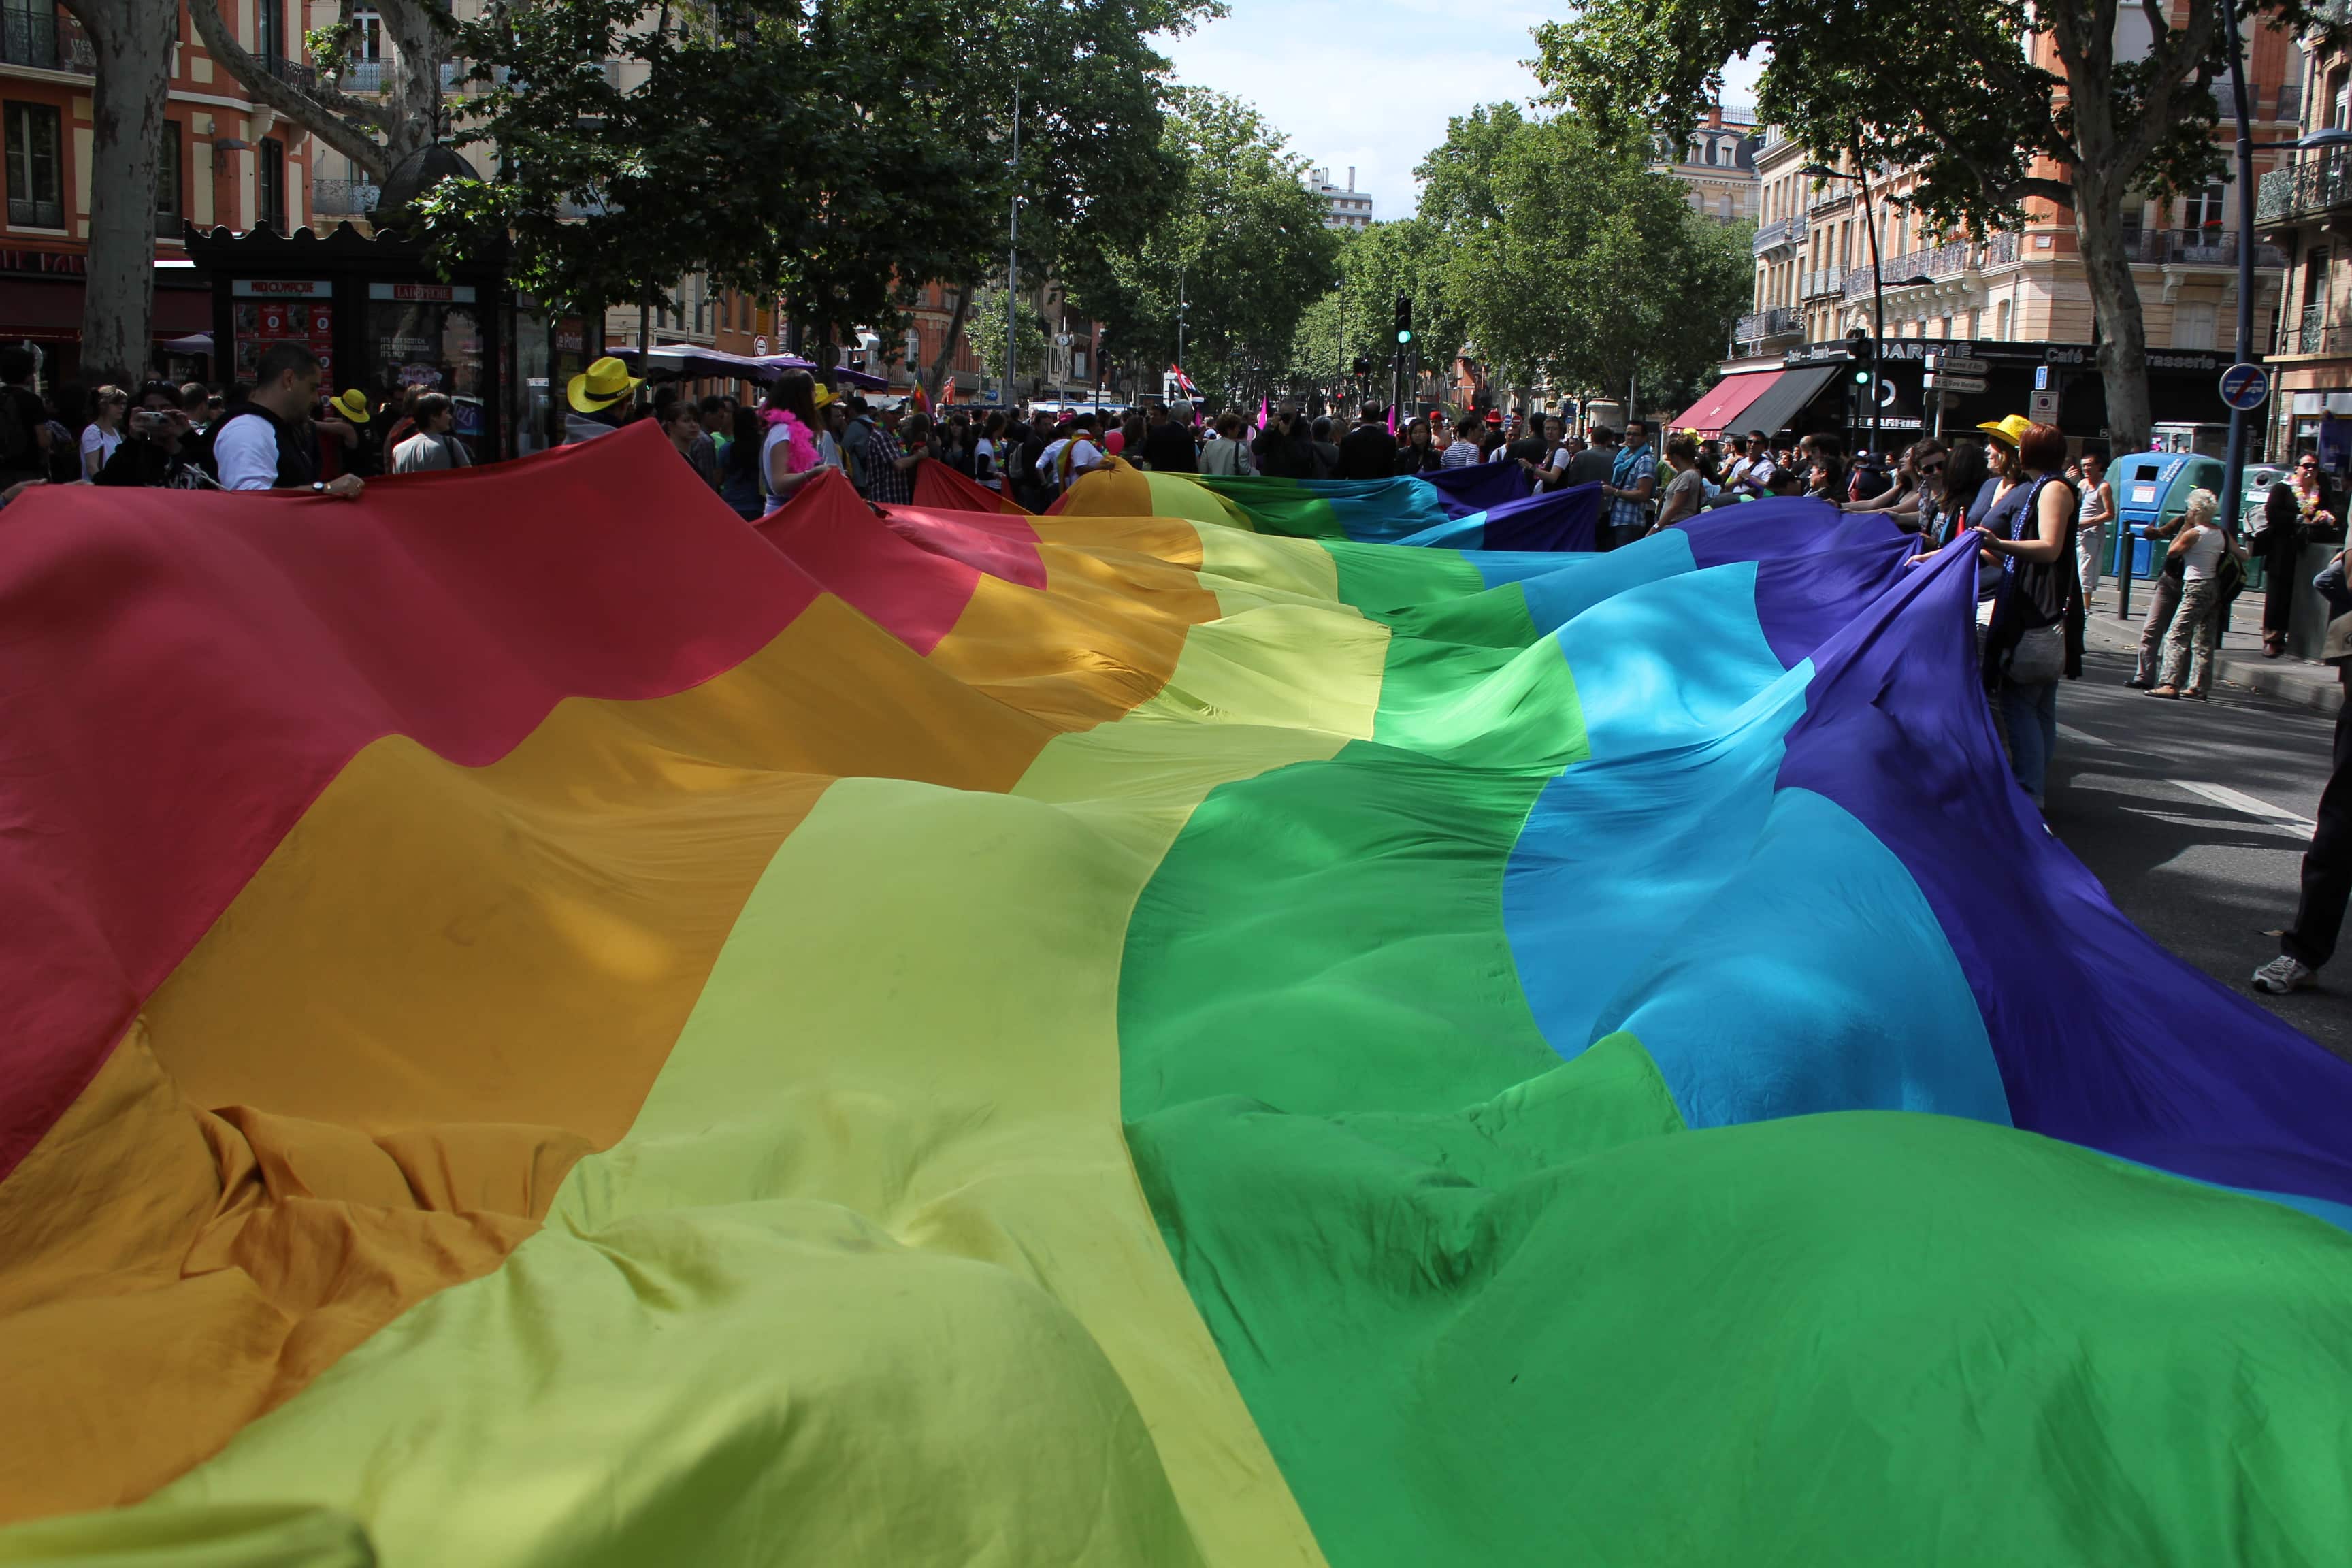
pixel 1934 468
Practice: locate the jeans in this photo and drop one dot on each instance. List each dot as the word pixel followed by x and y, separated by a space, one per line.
pixel 2327 864
pixel 2163 597
pixel 2192 632
pixel 2089 556
pixel 2029 716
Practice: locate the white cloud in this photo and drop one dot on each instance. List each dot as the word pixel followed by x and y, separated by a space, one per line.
pixel 1371 83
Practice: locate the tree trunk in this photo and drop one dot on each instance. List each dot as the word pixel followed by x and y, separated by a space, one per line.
pixel 419 35
pixel 2114 300
pixel 132 40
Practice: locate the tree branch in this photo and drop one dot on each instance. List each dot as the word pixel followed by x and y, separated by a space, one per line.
pixel 328 114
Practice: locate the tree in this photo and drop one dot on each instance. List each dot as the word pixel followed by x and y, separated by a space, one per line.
pixel 1569 260
pixel 838 152
pixel 1245 248
pixel 373 132
pixel 1962 93
pixel 132 40
pixel 987 328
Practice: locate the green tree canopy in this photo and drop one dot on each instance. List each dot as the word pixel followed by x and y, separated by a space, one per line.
pixel 1962 94
pixel 1244 244
pixel 1562 256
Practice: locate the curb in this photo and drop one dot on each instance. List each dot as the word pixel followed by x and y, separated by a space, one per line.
pixel 2296 681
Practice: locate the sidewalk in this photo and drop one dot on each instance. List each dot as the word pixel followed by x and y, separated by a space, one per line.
pixel 2238 660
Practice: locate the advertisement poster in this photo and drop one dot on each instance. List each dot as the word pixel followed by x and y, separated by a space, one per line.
pixel 265 310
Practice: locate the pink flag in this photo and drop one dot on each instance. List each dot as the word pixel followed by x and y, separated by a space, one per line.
pixel 1261 413
pixel 1393 419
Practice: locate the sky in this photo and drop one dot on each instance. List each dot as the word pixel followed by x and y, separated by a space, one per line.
pixel 1373 82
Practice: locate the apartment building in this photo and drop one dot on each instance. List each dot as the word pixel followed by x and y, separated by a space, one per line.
pixel 1814 282
pixel 1348 209
pixel 1717 165
pixel 2304 208
pixel 225 162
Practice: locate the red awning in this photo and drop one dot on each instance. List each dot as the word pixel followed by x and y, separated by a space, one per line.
pixel 1724 402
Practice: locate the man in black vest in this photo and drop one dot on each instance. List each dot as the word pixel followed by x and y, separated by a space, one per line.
pixel 267 443
pixel 1369 451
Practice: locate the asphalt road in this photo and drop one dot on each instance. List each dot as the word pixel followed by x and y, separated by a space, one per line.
pixel 2195 816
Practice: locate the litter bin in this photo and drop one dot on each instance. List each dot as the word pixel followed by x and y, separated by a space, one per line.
pixel 2151 489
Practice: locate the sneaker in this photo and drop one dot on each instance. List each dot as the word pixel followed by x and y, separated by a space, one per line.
pixel 2139 683
pixel 2283 975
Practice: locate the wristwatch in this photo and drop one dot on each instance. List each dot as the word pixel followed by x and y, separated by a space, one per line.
pixel 318 487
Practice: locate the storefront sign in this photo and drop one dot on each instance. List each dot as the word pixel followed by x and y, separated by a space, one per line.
pixel 424 293
pixel 62 262
pixel 282 288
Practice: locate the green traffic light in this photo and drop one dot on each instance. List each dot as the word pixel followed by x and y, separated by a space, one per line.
pixel 1404 334
pixel 1862 378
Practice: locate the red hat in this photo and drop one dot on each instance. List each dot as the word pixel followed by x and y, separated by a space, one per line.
pixel 1494 416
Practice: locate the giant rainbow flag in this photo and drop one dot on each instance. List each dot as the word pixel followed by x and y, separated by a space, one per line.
pixel 546 1025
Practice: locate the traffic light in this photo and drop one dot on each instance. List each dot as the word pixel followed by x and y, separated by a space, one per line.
pixel 1362 366
pixel 1863 351
pixel 1404 320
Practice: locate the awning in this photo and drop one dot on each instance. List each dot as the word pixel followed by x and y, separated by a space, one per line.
pixel 1713 414
pixel 687 360
pixel 1791 391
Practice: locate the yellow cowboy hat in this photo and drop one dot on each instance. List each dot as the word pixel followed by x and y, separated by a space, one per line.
pixel 824 394
pixel 2010 430
pixel 351 403
pixel 601 385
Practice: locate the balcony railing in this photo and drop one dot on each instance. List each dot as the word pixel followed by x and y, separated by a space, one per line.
pixel 36 214
pixel 2313 333
pixel 2000 249
pixel 1826 280
pixel 2194 248
pixel 2289 110
pixel 45 40
pixel 1758 325
pixel 1948 260
pixel 1780 232
pixel 377 76
pixel 293 73
pixel 343 198
pixel 2315 185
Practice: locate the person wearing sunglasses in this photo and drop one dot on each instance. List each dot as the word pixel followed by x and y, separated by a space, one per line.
pixel 1912 474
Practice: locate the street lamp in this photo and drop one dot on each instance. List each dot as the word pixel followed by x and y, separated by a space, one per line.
pixel 2233 470
pixel 1877 284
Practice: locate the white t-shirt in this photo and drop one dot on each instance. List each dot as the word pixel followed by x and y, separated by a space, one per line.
pixel 104 442
pixel 2204 554
pixel 1047 459
pixel 1561 459
pixel 983 463
pixel 779 434
pixel 1084 456
pixel 245 450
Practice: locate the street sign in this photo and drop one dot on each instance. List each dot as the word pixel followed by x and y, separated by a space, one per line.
pixel 2041 378
pixel 2043 407
pixel 1961 365
pixel 1945 382
pixel 760 345
pixel 2245 388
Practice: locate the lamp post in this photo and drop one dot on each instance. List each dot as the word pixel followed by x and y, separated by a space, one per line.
pixel 2234 468
pixel 1877 283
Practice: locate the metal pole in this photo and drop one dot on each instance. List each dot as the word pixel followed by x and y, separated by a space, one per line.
pixel 2233 469
pixel 1878 300
pixel 1013 263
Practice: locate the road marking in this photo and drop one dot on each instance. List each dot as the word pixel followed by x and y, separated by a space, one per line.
pixel 2236 800
pixel 2082 737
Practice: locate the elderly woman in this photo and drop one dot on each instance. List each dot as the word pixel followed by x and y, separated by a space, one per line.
pixel 2203 545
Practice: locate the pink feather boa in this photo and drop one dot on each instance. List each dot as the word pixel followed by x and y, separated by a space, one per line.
pixel 797 439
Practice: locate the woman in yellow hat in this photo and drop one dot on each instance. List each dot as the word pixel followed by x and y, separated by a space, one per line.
pixel 593 393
